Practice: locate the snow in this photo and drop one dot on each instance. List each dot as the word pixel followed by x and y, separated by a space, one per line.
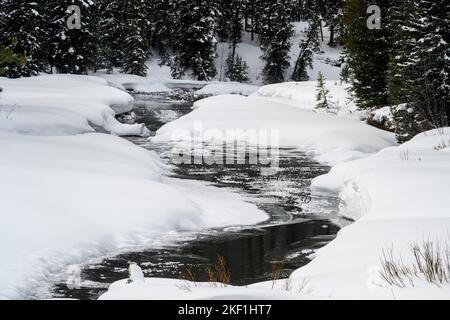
pixel 328 138
pixel 303 95
pixel 170 289
pixel 66 199
pixel 135 83
pixel 397 197
pixel 64 104
pixel 219 88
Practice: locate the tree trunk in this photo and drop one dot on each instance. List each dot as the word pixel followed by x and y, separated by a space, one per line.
pixel 331 42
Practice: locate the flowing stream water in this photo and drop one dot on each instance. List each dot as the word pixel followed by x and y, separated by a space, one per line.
pixel 298 224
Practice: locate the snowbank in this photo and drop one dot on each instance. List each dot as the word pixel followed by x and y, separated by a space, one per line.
pixel 64 104
pixel 219 88
pixel 65 199
pixel 303 95
pixel 328 138
pixel 169 289
pixel 398 197
pixel 135 83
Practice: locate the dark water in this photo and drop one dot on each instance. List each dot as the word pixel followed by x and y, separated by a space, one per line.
pixel 292 233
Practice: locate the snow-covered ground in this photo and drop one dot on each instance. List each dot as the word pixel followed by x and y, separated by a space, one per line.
pixel 329 138
pixel 65 199
pixel 64 104
pixel 68 194
pixel 398 198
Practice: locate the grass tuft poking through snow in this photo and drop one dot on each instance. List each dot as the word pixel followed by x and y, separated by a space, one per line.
pixel 431 262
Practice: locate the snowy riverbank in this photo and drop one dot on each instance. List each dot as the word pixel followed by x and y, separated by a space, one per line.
pixel 397 197
pixel 68 194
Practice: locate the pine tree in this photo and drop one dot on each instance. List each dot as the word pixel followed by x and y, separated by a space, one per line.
pixel 23 22
pixel 322 97
pixel 307 49
pixel 237 68
pixel 135 42
pixel 229 25
pixel 367 53
pixel 276 31
pixel 72 50
pixel 419 68
pixel 332 16
pixel 10 60
pixel 110 34
pixel 162 15
pixel 196 44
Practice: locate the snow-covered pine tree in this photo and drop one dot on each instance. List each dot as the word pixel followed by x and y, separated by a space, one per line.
pixel 307 48
pixel 323 94
pixel 401 66
pixel 162 15
pixel 110 52
pixel 419 69
pixel 72 50
pixel 237 68
pixel 134 29
pixel 276 31
pixel 432 53
pixel 367 53
pixel 229 25
pixel 196 45
pixel 332 17
pixel 22 31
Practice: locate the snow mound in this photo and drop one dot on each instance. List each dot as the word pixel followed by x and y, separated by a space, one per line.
pixel 397 197
pixel 170 289
pixel 64 104
pixel 221 88
pixel 135 83
pixel 66 199
pixel 328 138
pixel 303 95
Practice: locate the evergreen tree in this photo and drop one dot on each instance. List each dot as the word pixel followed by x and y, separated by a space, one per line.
pixel 307 49
pixel 110 34
pixel 10 60
pixel 72 50
pixel 229 25
pixel 237 68
pixel 367 53
pixel 332 16
pixel 276 31
pixel 135 42
pixel 195 47
pixel 162 14
pixel 322 97
pixel 419 68
pixel 23 22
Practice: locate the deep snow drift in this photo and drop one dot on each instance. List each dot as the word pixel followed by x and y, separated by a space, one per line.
pixel 65 199
pixel 381 193
pixel 398 197
pixel 64 104
pixel 329 138
pixel 68 194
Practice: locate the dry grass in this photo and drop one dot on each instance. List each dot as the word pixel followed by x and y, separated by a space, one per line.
pixel 217 273
pixel 277 272
pixel 221 271
pixel 431 262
